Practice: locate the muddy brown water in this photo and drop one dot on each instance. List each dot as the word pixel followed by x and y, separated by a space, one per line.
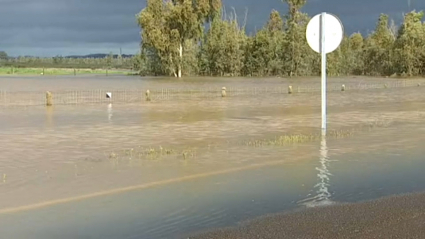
pixel 117 82
pixel 83 170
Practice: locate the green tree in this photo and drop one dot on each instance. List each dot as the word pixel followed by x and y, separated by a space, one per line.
pixel 264 51
pixel 378 49
pixel 298 58
pixel 156 42
pixel 410 45
pixel 355 55
pixel 119 60
pixel 109 60
pixel 3 55
pixel 190 64
pixel 337 60
pixel 222 49
pixel 57 60
pixel 167 26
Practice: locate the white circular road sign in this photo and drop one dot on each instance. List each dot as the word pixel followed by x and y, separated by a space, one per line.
pixel 333 30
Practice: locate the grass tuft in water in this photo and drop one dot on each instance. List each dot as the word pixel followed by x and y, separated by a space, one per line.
pixel 189 153
pixel 282 140
pixel 155 153
pixel 304 138
pixel 142 153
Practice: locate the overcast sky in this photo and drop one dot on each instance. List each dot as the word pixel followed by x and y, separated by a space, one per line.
pixel 68 27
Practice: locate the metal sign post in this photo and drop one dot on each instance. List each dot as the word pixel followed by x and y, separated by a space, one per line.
pixel 324 35
pixel 323 69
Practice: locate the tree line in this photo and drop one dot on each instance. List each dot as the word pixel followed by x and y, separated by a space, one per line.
pixel 196 37
pixel 108 62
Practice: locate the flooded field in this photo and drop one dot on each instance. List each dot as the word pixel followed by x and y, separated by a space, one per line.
pixel 168 168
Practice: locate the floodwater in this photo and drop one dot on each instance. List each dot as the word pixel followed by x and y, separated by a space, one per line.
pixel 172 168
pixel 118 82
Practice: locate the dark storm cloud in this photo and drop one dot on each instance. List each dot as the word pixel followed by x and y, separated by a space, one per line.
pixel 50 27
pixel 69 25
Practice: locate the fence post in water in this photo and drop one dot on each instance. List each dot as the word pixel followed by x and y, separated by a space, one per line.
pixel 148 95
pixel 290 89
pixel 343 87
pixel 43 71
pixel 49 100
pixel 223 92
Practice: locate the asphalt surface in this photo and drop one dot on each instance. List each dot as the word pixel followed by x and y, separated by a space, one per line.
pixel 393 217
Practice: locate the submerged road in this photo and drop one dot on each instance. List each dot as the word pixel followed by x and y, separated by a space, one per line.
pixel 393 217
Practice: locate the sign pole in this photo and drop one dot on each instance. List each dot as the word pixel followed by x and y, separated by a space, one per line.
pixel 324 34
pixel 323 71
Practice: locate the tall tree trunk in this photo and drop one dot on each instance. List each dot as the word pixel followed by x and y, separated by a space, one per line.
pixel 173 66
pixel 181 60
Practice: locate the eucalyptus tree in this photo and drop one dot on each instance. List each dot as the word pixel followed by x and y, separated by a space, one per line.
pixel 338 60
pixel 264 52
pixel 166 26
pixel 223 47
pixel 410 45
pixel 298 58
pixel 378 49
pixel 356 57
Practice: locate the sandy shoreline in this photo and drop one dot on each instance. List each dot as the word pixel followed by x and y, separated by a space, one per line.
pixel 400 216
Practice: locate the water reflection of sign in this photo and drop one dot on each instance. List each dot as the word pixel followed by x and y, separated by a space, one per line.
pixel 108 95
pixel 323 175
pixel 323 195
pixel 49 116
pixel 109 112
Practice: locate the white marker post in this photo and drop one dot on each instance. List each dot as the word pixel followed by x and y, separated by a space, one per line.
pixel 109 111
pixel 324 34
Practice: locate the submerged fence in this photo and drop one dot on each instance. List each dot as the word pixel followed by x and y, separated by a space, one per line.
pixel 33 98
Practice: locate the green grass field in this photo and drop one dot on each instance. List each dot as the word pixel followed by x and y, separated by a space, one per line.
pixel 58 71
